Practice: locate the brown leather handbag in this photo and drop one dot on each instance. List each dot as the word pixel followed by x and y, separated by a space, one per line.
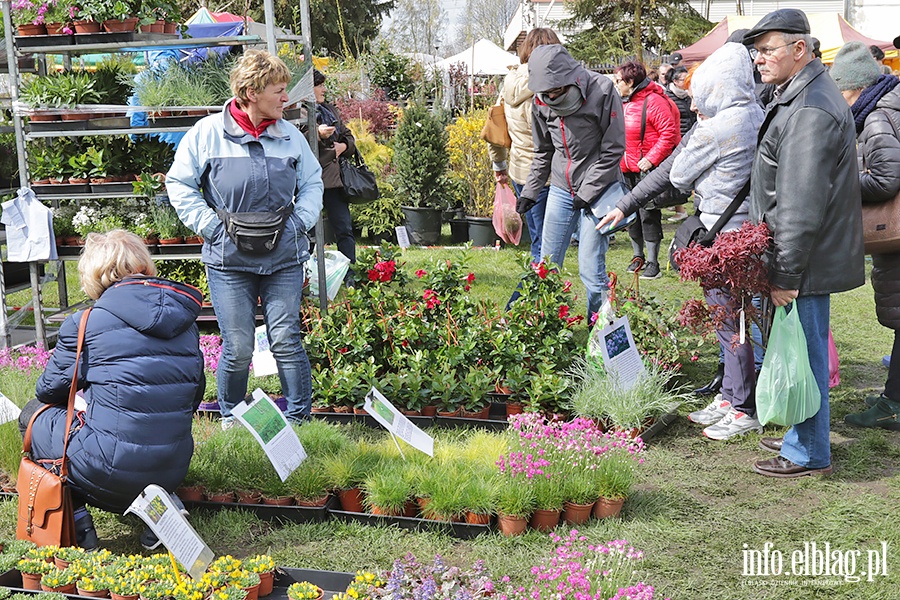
pixel 495 130
pixel 46 515
pixel 881 221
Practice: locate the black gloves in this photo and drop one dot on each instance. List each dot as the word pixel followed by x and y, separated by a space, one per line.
pixel 579 204
pixel 523 204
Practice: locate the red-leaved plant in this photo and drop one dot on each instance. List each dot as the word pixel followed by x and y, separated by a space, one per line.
pixel 375 110
pixel 735 263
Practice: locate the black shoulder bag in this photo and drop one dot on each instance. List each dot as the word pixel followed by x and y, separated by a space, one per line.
pixel 359 182
pixel 692 229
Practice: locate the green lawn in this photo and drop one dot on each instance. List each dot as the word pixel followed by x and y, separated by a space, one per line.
pixel 697 502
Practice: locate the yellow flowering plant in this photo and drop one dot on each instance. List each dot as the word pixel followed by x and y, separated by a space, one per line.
pixel 126 583
pixel 470 163
pixel 225 564
pixel 229 592
pixel 34 566
pixel 243 578
pixel 43 553
pixel 261 563
pixel 362 586
pixel 56 577
pixel 303 590
pixel 188 589
pixel 156 590
pixel 99 581
pixel 215 580
pixel 70 553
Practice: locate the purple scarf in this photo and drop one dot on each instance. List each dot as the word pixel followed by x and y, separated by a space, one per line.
pixel 869 97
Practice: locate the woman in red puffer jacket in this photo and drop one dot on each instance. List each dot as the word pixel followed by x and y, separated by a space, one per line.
pixel 661 133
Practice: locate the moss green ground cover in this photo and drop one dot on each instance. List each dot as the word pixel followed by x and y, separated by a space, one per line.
pixel 697 502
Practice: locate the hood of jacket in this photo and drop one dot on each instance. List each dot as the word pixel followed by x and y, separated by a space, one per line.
pixel 551 66
pixel 724 80
pixel 515 87
pixel 156 307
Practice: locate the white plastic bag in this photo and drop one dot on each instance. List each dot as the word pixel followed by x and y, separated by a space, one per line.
pixel 336 267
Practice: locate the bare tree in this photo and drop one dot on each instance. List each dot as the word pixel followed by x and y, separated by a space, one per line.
pixel 484 19
pixel 416 25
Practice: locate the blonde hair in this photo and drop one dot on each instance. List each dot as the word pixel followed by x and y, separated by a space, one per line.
pixel 254 71
pixel 111 257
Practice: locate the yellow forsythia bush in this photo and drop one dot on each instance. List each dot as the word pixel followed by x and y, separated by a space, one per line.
pixel 470 163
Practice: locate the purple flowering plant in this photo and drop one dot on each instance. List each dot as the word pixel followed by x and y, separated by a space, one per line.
pixel 579 570
pixel 410 579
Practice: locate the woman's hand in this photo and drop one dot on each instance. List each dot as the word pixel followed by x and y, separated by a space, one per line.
pixel 644 165
pixel 339 147
pixel 325 131
pixel 613 217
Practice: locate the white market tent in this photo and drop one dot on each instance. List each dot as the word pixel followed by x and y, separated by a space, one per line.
pixel 484 58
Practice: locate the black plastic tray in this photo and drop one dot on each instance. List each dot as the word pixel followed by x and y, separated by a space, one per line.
pixel 332 582
pixel 104 37
pixel 180 248
pixel 69 250
pixel 181 121
pixel 116 187
pixel 30 41
pixel 464 531
pixel 368 420
pixel 61 188
pixel 57 125
pixel 294 514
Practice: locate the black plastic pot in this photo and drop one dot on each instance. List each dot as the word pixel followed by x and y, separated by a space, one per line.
pixel 481 231
pixel 423 225
pixel 459 231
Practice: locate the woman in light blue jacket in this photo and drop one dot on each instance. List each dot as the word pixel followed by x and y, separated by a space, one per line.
pixel 249 159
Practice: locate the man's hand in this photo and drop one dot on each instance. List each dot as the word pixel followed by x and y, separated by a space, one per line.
pixel 644 165
pixel 578 203
pixel 782 297
pixel 612 218
pixel 502 177
pixel 523 204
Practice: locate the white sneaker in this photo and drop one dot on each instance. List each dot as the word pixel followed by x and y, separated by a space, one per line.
pixel 732 424
pixel 713 413
pixel 227 423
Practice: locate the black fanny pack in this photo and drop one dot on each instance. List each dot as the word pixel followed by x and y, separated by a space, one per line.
pixel 256 232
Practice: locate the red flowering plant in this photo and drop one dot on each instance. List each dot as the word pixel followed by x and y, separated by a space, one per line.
pixel 736 263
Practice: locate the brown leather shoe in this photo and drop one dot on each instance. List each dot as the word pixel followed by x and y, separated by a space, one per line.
pixel 782 467
pixel 771 444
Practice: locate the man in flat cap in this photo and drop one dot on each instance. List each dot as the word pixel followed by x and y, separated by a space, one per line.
pixel 805 187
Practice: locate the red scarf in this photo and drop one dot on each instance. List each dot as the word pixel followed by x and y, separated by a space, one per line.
pixel 244 120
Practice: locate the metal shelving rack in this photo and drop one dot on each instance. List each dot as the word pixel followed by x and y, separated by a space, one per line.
pixel 131 46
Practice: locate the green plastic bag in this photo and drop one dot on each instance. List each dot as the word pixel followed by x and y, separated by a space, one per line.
pixel 786 391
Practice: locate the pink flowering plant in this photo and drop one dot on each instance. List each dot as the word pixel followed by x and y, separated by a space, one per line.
pixel 579 570
pixel 576 455
pixel 28 12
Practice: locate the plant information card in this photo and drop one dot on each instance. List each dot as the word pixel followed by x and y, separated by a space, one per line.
pixel 620 355
pixel 8 410
pixel 396 422
pixel 272 431
pixel 155 507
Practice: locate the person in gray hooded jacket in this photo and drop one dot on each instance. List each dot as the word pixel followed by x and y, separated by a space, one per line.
pixel 579 139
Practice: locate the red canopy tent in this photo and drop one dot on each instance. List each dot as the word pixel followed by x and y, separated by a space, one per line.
pixel 831 30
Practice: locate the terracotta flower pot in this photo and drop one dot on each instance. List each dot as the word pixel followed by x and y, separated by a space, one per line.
pixel 116 596
pixel 312 502
pixel 252 592
pixel 279 501
pixel 60 563
pixel 544 520
pixel 477 518
pixel 62 589
pixel 266 583
pixel 377 510
pixel 221 497
pixel 170 241
pixel 170 27
pixel 359 411
pixel 191 493
pixel 31 581
pixel 608 507
pixel 411 509
pixel 343 409
pixel 93 594
pixel 43 117
pixel 120 25
pixel 249 497
pixel 429 411
pixel 448 413
pixel 514 408
pixel 321 409
pixel 576 514
pixel 412 413
pixel 55 28
pixel 31 29
pixel 86 26
pixel 351 500
pixel 193 239
pixel 511 526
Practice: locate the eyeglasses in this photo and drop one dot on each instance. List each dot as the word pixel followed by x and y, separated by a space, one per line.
pixel 766 51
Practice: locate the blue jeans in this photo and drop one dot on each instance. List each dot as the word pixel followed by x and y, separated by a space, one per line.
pixel 807 444
pixel 739 381
pixel 534 218
pixel 234 295
pixel 559 223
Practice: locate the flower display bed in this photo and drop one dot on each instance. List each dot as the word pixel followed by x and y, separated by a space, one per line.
pixel 332 582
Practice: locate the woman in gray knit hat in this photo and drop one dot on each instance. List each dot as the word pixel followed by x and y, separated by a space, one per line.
pixel 874 99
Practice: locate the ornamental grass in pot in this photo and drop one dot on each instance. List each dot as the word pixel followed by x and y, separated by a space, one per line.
pixel 443 485
pixel 308 483
pixel 387 490
pixel 515 505
pixel 345 470
pixel 549 498
pixel 479 496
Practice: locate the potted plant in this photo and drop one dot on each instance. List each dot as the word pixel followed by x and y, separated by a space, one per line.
pixel 549 498
pixel 468 155
pixel 475 385
pixel 58 18
pixel 229 592
pixel 264 566
pixel 124 584
pixel 165 222
pixel 547 389
pixel 444 486
pixel 88 16
pixel 614 474
pixel 303 590
pixel 59 580
pixel 80 165
pixel 247 581
pixel 308 483
pixel 66 555
pixel 96 585
pixel 420 160
pixel 515 505
pixel 119 17
pixel 479 497
pixel 345 470
pixel 387 491
pixel 32 570
pixel 28 17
